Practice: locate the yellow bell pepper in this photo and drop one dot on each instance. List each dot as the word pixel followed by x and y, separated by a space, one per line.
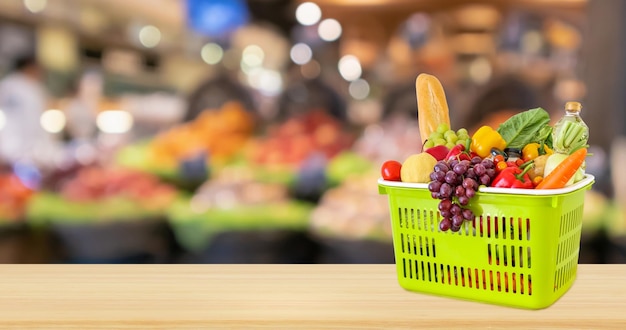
pixel 534 150
pixel 485 139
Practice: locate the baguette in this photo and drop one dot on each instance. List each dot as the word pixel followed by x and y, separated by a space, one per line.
pixel 432 107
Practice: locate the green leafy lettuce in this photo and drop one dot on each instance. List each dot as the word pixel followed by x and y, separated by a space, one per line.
pixel 526 127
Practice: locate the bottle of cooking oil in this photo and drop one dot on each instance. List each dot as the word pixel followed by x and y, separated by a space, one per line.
pixel 570 132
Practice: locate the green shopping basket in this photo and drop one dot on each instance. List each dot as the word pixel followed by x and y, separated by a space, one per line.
pixel 522 251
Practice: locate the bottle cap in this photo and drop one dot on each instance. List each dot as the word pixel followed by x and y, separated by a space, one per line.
pixel 573 106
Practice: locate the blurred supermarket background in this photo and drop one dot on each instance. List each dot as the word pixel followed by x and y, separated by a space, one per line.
pixel 252 131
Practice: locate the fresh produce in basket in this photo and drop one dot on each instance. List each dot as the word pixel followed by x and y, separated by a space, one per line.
pixel 432 105
pixel 439 152
pixel 570 132
pixel 415 168
pixel 564 171
pixel 534 150
pixel 445 137
pixel 498 193
pixel 455 182
pixel 486 139
pixel 514 177
pixel 526 127
pixel 516 155
pixel 391 170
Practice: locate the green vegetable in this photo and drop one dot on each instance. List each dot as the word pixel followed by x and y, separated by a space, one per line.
pixel 545 136
pixel 525 127
pixel 571 137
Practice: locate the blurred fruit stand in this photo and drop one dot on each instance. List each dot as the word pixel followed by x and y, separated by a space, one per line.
pixel 187 153
pixel 235 218
pixel 263 144
pixel 107 215
pixel 14 237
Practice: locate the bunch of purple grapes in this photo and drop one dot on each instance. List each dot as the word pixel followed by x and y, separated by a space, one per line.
pixel 455 182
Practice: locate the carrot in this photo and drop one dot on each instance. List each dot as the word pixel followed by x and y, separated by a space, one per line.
pixel 564 171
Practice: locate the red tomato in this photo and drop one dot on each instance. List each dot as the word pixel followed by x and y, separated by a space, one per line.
pixel 500 166
pixel 391 170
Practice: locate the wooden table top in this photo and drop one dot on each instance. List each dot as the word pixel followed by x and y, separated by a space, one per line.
pixel 278 296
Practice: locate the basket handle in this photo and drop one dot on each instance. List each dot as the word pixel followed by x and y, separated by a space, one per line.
pixel 382 190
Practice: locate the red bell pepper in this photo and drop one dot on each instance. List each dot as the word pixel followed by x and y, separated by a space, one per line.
pixel 460 152
pixel 514 177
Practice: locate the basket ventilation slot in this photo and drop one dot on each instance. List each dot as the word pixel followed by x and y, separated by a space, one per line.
pixel 568 247
pixel 418 245
pixel 479 279
pixel 516 229
pixel 565 274
pixel 509 256
pixel 422 220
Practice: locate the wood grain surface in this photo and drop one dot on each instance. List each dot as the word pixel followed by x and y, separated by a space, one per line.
pixel 277 296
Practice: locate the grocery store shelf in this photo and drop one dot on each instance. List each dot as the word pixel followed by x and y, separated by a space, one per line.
pixel 278 296
pixel 432 4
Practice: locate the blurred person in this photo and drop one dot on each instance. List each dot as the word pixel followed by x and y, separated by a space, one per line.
pixel 304 95
pixel 214 93
pixel 81 116
pixel 22 100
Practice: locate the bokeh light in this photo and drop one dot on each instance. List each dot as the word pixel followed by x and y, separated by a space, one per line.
pixel 52 121
pixel 350 67
pixel 149 36
pixel 267 82
pixel 480 70
pixel 3 120
pixel 253 56
pixel 212 53
pixel 35 6
pixel 308 13
pixel 114 121
pixel 329 29
pixel 359 89
pixel 301 53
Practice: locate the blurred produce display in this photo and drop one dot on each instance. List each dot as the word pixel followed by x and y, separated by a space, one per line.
pixel 269 133
pixel 14 196
pixel 354 210
pixel 288 144
pixel 235 202
pixel 215 137
pixel 346 165
pixel 396 138
pixel 107 215
pixel 219 133
pixel 95 194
